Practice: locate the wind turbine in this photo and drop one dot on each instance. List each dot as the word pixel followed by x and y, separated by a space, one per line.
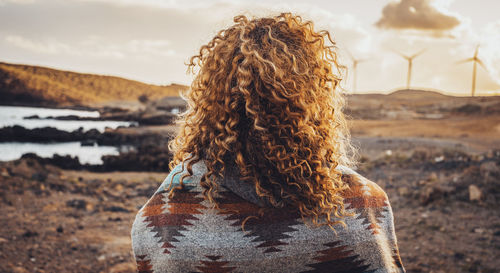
pixel 475 61
pixel 355 63
pixel 410 61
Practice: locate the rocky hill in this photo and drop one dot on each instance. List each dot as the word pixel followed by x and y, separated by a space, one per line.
pixel 41 86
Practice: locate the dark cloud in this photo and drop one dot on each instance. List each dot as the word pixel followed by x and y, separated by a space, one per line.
pixel 415 14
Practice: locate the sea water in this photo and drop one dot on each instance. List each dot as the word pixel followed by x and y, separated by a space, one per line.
pixel 86 154
pixel 15 115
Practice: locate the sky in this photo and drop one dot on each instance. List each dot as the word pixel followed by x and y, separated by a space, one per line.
pixel 151 40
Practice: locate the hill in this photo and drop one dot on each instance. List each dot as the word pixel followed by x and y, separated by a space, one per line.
pixel 41 86
pixel 412 94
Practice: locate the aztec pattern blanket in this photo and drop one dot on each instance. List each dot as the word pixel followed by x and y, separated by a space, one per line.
pixel 185 234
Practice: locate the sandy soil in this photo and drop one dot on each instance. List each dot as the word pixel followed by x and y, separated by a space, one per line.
pixel 481 133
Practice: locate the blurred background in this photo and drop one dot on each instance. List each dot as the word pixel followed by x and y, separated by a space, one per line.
pixel 89 90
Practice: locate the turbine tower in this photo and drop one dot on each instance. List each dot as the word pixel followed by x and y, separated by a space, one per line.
pixel 355 63
pixel 410 61
pixel 475 61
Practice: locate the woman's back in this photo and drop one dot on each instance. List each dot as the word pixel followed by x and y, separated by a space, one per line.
pixel 186 234
pixel 257 185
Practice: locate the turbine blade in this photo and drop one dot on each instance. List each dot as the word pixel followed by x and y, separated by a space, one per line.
pixel 418 53
pixel 400 54
pixel 465 61
pixel 476 51
pixel 481 63
pixel 404 56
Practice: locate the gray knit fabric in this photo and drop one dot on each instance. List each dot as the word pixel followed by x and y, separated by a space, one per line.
pixel 186 234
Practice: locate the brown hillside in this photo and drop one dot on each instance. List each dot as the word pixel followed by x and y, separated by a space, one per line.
pixel 34 85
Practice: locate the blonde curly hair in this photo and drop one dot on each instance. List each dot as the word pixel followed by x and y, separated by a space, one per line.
pixel 266 98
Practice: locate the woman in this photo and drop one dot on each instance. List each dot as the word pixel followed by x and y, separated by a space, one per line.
pixel 260 181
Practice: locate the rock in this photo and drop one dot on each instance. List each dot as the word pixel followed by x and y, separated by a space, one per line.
pixel 157 118
pixel 468 109
pixel 479 230
pixel 434 192
pixel 77 204
pixel 475 193
pixel 39 176
pixel 459 256
pixel 18 269
pixel 116 209
pixel 4 172
pixel 88 143
pixel 66 161
pixel 30 233
pixel 170 103
pixel 119 188
pixel 123 267
pixel 433 177
pixel 438 159
pixel 489 168
pixel 403 191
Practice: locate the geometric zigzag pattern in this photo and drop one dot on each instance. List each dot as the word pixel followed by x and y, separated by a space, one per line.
pixel 185 234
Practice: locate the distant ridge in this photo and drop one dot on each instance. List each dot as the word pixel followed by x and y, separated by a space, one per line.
pixel 415 93
pixel 41 86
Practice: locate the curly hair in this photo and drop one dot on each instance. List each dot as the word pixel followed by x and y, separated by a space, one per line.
pixel 266 98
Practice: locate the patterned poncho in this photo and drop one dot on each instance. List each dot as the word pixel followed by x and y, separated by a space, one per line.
pixel 186 234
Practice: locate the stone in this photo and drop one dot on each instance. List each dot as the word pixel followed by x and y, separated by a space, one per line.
pixel 489 168
pixel 479 230
pixel 18 269
pixel 4 172
pixel 475 193
pixel 123 267
pixel 403 191
pixel 433 177
pixel 433 192
pixel 119 187
pixel 116 209
pixel 80 204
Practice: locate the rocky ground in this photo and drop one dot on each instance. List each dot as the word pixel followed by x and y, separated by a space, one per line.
pixel 68 221
pixel 437 157
pixel 445 204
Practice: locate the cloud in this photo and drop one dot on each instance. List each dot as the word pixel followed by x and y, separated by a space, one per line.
pixel 169 4
pixel 39 47
pixel 96 46
pixel 489 52
pixel 427 15
pixel 21 2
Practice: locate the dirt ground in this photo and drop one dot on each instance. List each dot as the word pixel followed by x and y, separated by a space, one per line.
pixel 69 221
pixel 75 221
pixel 440 169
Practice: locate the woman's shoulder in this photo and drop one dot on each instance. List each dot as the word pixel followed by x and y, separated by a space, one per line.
pixel 359 185
pixel 189 174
